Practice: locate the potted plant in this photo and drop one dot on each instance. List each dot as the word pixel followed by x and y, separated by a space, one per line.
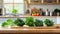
pixel 29 21
pixel 48 22
pixel 38 22
pixel 56 12
pixel 14 12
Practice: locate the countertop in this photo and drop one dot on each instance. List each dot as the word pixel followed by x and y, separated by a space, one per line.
pixel 26 15
pixel 31 30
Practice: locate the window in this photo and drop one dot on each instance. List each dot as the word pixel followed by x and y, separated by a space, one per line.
pixel 14 4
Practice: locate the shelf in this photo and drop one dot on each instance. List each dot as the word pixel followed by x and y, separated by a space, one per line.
pixel 24 16
pixel 44 3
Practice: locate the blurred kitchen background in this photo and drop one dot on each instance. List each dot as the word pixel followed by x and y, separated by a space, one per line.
pixel 21 6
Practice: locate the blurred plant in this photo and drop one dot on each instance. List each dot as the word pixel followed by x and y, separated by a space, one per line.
pixel 7 22
pixel 29 21
pixel 19 22
pixel 38 22
pixel 14 11
pixel 48 22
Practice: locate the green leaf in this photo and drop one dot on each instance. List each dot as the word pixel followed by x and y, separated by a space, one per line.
pixel 49 22
pixel 9 21
pixel 4 24
pixel 29 21
pixel 19 22
pixel 38 22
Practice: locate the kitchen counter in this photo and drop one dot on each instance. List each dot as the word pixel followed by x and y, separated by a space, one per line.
pixel 31 30
pixel 26 15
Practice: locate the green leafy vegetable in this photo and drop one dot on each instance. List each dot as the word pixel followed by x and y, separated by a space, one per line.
pixel 4 24
pixel 49 22
pixel 38 22
pixel 7 22
pixel 19 22
pixel 29 21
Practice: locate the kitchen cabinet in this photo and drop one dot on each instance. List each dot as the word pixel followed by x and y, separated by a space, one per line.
pixel 44 2
pixel 49 1
pixel 59 1
pixel 35 1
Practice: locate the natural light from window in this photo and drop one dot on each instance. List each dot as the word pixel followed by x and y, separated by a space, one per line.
pixel 16 4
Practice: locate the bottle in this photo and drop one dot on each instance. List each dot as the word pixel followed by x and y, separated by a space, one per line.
pixel 57 13
pixel 42 12
pixel 50 13
pixel 0 11
pixel 47 12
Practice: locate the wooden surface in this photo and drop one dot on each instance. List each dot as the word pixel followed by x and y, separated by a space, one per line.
pixel 24 16
pixel 42 2
pixel 31 30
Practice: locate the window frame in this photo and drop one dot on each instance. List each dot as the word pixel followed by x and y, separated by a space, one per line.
pixel 13 6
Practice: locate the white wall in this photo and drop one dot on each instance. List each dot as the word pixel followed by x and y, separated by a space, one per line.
pixel 50 7
pixel 58 20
